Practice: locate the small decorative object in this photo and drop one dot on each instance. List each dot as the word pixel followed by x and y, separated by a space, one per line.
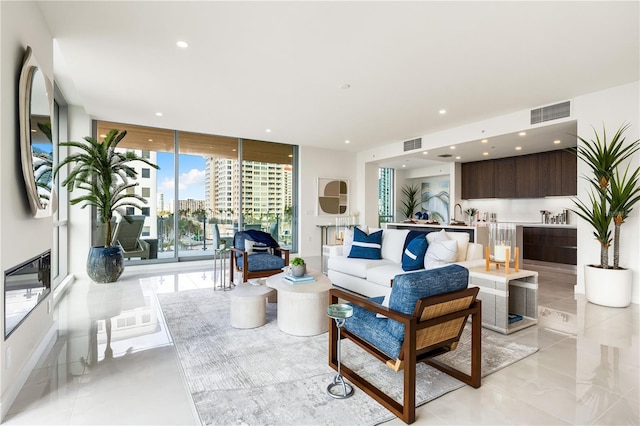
pixel 502 246
pixel 298 267
pixel 470 212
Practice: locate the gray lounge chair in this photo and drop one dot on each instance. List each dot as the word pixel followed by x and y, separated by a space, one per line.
pixel 127 235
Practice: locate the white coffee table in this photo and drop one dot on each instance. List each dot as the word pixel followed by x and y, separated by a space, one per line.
pixel 249 305
pixel 302 308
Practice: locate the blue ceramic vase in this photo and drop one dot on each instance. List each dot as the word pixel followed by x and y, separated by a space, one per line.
pixel 105 264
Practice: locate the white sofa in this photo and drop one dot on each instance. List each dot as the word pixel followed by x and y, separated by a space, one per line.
pixel 373 277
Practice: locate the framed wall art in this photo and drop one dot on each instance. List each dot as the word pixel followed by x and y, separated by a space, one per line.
pixel 333 196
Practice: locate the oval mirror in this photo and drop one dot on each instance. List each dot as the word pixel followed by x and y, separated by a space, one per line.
pixel 36 147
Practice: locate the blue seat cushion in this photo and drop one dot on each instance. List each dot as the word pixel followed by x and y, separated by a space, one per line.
pixel 413 255
pixel 366 246
pixel 408 288
pixel 262 262
pixel 367 326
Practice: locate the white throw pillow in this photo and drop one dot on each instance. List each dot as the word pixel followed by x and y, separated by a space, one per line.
pixel 463 243
pixel 433 237
pixel 440 253
pixel 248 246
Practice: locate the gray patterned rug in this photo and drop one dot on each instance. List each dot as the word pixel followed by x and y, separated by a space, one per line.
pixel 264 376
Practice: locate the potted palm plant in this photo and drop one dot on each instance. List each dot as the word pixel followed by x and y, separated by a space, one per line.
pixel 612 196
pixel 103 174
pixel 410 201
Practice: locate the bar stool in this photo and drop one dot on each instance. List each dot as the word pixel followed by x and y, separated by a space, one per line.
pixel 339 312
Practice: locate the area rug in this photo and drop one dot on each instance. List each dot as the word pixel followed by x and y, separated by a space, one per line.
pixel 263 376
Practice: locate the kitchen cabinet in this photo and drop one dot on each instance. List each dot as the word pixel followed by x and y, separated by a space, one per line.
pixel 553 244
pixel 569 184
pixel 526 173
pixel 505 186
pixel 552 173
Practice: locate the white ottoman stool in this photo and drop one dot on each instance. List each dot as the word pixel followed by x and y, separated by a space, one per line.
pixel 249 305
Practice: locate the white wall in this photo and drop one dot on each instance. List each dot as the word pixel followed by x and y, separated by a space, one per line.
pixel 612 107
pixel 315 163
pixel 21 236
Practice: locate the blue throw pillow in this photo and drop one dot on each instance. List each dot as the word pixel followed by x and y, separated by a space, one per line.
pixel 413 256
pixel 366 246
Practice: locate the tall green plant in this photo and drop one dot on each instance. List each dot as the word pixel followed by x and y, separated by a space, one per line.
pixel 612 196
pixel 103 174
pixel 410 200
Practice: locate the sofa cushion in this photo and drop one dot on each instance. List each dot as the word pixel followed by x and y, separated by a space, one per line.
pixel 393 242
pixel 384 274
pixel 366 246
pixel 408 288
pixel 440 253
pixel 413 256
pixel 356 267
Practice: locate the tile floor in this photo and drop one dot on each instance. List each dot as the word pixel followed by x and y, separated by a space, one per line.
pixel 586 372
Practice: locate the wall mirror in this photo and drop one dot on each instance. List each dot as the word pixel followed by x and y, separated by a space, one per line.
pixel 36 147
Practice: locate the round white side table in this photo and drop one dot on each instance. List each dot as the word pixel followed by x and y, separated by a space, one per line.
pixel 249 305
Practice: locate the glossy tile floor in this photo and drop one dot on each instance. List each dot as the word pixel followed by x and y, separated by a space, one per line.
pixel 586 372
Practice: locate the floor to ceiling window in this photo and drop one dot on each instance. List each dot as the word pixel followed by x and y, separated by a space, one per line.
pixel 385 195
pixel 213 187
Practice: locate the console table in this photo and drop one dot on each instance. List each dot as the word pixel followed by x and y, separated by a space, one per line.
pixel 502 294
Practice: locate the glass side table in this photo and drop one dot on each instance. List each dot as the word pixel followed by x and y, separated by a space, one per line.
pixel 339 388
pixel 219 255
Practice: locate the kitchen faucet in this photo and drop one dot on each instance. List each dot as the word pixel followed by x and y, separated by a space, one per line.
pixel 455 211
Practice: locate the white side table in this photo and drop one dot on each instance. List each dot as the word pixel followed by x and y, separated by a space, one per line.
pixel 248 307
pixel 502 294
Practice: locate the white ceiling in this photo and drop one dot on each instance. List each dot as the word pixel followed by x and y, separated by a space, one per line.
pixel 253 66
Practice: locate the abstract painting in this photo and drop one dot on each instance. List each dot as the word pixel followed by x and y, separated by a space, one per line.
pixel 333 196
pixel 435 198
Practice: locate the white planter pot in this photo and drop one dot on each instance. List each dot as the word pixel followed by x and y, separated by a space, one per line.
pixel 608 287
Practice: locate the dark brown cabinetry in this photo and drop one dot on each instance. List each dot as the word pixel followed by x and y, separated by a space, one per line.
pixel 558 245
pixel 539 175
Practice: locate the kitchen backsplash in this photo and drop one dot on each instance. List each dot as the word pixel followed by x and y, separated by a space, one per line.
pixel 520 210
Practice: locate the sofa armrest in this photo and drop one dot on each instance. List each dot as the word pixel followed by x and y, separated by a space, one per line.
pixel 475 251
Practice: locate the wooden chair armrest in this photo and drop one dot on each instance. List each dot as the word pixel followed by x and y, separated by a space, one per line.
pixel 237 250
pixel 363 302
pixel 286 254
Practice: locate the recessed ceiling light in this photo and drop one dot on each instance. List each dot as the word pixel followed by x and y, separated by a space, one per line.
pixel 150 140
pixel 290 155
pixel 518 148
pixel 33 130
pixel 103 136
pixel 452 147
pixel 182 44
pixel 404 165
pixel 557 141
pixel 345 86
pixel 347 141
pixel 458 157
pixel 425 152
pixel 442 111
pixel 484 140
pixel 159 114
pixel 268 130
pixel 522 133
pixel 485 153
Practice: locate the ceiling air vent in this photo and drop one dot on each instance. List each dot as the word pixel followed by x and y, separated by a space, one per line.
pixel 412 144
pixel 445 155
pixel 551 112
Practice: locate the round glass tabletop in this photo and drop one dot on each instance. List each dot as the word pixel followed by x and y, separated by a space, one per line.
pixel 340 311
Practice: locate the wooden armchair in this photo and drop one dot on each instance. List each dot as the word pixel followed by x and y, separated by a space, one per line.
pixel 427 314
pixel 252 264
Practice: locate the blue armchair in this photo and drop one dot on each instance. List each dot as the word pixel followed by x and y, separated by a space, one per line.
pixel 426 316
pixel 253 264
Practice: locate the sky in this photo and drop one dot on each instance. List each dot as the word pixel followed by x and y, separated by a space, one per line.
pixel 192 175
